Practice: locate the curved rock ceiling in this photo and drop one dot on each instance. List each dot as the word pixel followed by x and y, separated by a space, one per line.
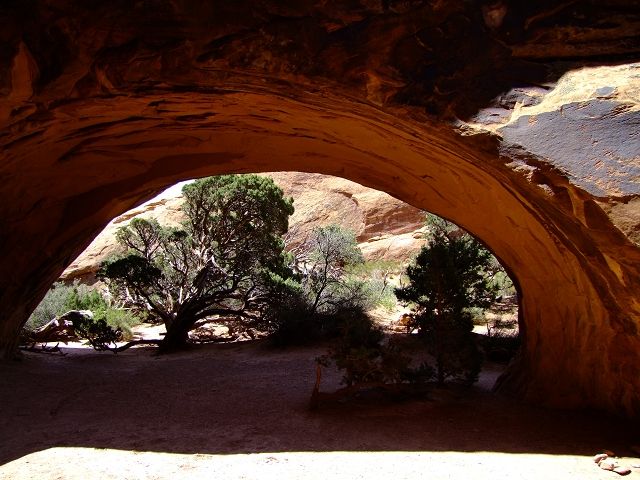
pixel 477 111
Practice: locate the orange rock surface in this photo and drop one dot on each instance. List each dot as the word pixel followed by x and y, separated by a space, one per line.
pixel 467 111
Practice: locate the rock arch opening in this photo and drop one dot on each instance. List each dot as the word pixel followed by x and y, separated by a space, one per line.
pixel 108 155
pixel 389 234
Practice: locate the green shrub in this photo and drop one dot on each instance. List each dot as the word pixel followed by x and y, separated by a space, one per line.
pixel 119 319
pixel 100 335
pixel 62 298
pixel 83 297
pixel 52 305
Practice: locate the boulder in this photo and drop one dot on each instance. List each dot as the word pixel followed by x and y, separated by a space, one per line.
pixel 60 329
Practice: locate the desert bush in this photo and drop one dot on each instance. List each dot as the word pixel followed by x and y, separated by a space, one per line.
pixel 297 324
pixel 376 274
pixel 376 268
pixel 329 253
pixel 501 344
pixel 62 298
pixel 358 349
pixel 500 281
pixel 52 305
pixel 366 356
pixel 294 325
pixel 381 293
pixel 96 331
pixel 323 293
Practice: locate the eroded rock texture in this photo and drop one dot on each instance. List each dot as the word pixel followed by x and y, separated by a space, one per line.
pixel 458 107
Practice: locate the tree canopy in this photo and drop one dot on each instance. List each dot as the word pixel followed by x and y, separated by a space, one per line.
pixel 450 275
pixel 330 251
pixel 322 292
pixel 222 261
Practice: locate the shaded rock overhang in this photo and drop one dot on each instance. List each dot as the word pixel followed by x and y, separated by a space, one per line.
pixel 482 112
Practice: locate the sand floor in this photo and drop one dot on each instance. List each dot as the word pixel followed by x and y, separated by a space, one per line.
pixel 239 411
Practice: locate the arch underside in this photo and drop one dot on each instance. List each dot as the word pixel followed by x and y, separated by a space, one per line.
pixel 104 103
pixel 70 170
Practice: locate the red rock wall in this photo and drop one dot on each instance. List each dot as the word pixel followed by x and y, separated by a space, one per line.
pixel 104 104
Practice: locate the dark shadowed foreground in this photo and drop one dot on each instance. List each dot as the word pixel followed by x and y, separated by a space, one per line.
pixel 240 411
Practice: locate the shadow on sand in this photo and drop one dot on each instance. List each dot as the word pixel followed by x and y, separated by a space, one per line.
pixel 245 398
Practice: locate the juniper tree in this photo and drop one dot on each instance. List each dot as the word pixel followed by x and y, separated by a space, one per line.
pixel 448 277
pixel 223 260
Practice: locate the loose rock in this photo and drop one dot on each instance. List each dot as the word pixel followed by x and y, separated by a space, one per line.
pixel 622 470
pixel 600 457
pixel 608 464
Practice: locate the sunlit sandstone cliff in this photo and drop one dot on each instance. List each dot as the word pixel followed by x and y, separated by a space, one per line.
pixel 385 228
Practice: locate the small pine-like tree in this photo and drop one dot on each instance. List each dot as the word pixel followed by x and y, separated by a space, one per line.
pixel 449 276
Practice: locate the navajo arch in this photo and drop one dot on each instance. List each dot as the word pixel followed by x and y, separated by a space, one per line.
pixel 490 119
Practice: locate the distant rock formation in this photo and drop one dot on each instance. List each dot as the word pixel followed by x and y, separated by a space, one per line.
pixel 386 228
pixel 165 208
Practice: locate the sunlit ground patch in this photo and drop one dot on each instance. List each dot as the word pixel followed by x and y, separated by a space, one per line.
pixel 88 463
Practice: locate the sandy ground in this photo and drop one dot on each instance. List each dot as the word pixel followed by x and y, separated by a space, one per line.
pixel 239 411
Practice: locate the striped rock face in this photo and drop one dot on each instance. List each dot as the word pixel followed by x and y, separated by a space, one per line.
pixel 492 114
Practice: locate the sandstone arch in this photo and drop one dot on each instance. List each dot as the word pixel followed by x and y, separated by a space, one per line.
pixel 89 133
